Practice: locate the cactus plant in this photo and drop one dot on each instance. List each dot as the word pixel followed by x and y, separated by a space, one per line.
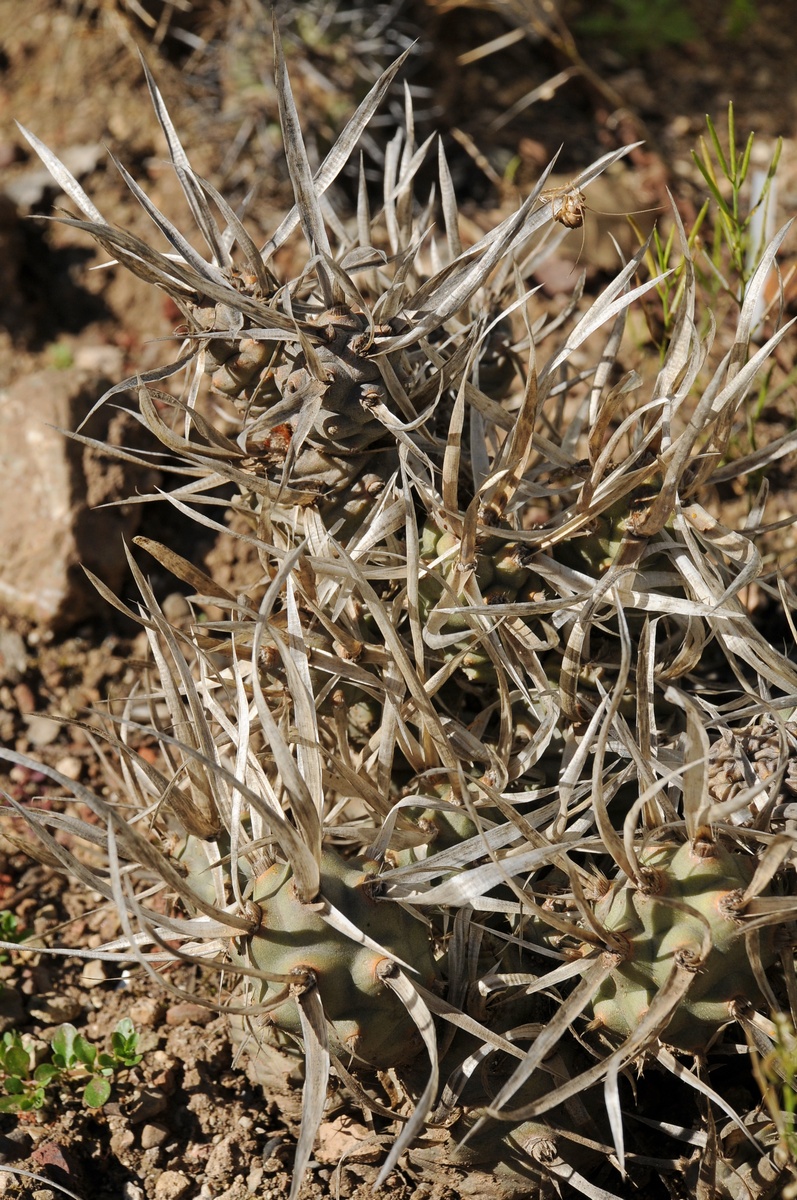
pixel 438 791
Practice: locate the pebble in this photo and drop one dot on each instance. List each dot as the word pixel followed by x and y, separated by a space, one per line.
pixel 122 1140
pixel 146 1011
pixel 172 1185
pixel 254 1179
pixel 68 515
pixel 223 1159
pixel 108 360
pixel 25 775
pixel 93 973
pixel 131 1191
pixel 70 766
pixel 42 731
pixel 15 1144
pixel 150 1104
pixel 176 609
pixel 153 1135
pixel 26 702
pixel 50 1154
pixel 178 1014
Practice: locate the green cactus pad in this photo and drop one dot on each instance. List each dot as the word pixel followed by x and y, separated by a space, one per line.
pixel 367 1021
pixel 687 886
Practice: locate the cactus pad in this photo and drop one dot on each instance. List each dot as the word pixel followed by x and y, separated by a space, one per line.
pixel 367 1021
pixel 689 890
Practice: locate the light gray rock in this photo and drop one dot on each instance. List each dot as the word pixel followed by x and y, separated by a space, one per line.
pixel 51 488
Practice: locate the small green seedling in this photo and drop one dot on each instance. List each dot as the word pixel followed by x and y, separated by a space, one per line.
pixel 124 1046
pixel 23 1085
pixel 73 1057
pixel 640 26
pixel 740 233
pixel 10 931
pixel 726 241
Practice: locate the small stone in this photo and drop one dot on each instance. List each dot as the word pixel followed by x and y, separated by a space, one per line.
pixel 20 1137
pixel 172 1185
pixel 185 1012
pixel 146 1011
pixel 150 1103
pixel 131 1191
pixel 176 609
pixel 15 1144
pixel 25 700
pixel 191 1078
pixel 254 1179
pixel 42 731
pixel 223 1159
pixel 70 766
pixel 93 973
pixel 53 1008
pixel 121 1141
pixel 245 1123
pixel 106 360
pixel 52 1154
pixel 153 1135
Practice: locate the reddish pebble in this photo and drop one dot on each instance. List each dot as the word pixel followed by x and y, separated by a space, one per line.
pixel 50 1154
pixel 181 1014
pixel 26 702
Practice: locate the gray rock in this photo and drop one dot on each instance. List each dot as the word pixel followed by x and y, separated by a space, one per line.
pixel 51 487
pixel 121 1140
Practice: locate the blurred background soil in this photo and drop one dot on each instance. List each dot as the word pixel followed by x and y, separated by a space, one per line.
pixel 508 85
